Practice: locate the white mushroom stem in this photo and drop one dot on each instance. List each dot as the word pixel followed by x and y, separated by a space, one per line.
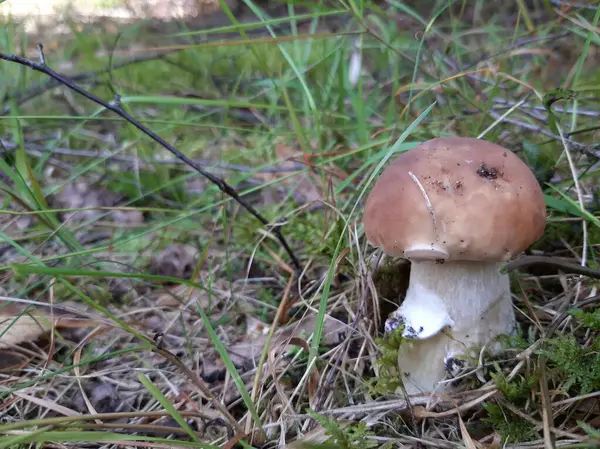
pixel 469 301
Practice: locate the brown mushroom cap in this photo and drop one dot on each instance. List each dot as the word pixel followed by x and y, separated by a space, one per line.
pixel 455 198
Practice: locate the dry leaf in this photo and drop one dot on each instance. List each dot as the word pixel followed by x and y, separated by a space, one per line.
pixel 19 324
pixel 12 360
pixel 47 404
pixel 249 349
pixel 177 260
pixel 313 380
pixel 103 397
pixel 255 327
pixel 469 442
pixel 246 352
pixel 212 370
pixel 334 330
pixel 81 195
pixel 179 295
pixel 305 186
pixel 316 436
pixel 16 328
pixel 14 225
pixel 496 441
pixel 307 190
pixel 235 440
pixel 205 7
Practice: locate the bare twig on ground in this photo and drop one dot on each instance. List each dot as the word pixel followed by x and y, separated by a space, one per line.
pixel 539 129
pixel 586 149
pixel 563 316
pixel 564 3
pixel 562 264
pixel 115 107
pixel 446 402
pixel 580 111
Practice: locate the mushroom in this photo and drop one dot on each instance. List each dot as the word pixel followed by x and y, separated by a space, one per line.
pixel 457 208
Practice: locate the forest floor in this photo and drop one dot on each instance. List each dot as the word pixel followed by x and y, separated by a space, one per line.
pixel 142 306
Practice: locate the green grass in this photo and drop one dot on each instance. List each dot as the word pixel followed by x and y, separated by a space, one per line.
pixel 256 91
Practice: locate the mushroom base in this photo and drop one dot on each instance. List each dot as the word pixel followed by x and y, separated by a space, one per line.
pixel 449 309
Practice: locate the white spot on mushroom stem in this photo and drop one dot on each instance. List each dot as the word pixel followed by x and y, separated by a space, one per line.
pixel 424 317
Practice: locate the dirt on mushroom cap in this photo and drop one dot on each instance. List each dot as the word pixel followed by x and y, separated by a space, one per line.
pixel 466 197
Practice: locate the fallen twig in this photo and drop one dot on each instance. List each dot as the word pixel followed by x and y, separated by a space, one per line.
pixel 541 130
pixel 115 107
pixel 562 264
pixel 397 405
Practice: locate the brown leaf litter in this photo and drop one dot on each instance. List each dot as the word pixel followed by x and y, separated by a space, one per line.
pixel 248 349
pixel 306 187
pixel 18 325
pixel 177 260
pixel 23 324
pixel 80 195
pixel 11 224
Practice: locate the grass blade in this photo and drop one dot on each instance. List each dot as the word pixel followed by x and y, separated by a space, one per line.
pixel 231 369
pixel 168 405
pixel 319 325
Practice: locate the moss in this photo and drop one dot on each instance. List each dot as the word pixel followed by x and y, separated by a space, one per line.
pixel 517 341
pixel 589 320
pixel 389 379
pixel 510 427
pixel 516 391
pixel 577 366
pixel 350 436
pixel 391 278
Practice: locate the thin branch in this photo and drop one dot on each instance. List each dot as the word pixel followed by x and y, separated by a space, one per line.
pixel 30 93
pixel 580 111
pixel 563 3
pixel 586 149
pixel 523 43
pixel 539 129
pixel 564 265
pixel 110 157
pixel 115 107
